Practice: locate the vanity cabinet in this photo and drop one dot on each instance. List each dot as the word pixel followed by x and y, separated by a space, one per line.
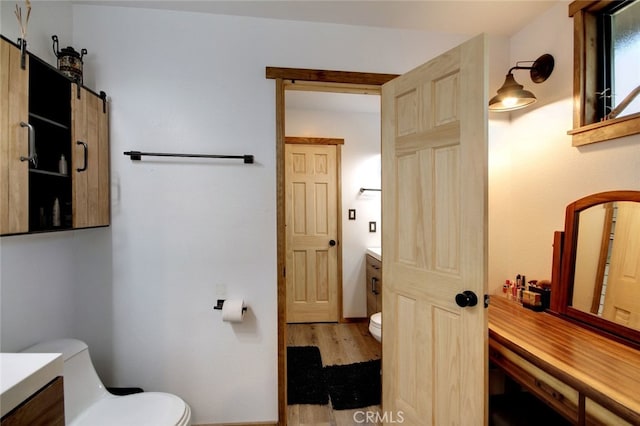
pixel 54 167
pixel 589 379
pixel 46 407
pixel 374 285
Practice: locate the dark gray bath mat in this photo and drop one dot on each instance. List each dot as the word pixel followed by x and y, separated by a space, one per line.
pixel 305 378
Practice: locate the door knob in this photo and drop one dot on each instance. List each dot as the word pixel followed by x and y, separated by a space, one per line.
pixel 466 298
pixel 332 243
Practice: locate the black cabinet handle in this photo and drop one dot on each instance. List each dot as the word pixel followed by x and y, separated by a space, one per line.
pixel 86 156
pixel 374 288
pixel 33 156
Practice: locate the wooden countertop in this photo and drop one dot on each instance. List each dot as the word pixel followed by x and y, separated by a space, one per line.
pixel 603 370
pixel 375 252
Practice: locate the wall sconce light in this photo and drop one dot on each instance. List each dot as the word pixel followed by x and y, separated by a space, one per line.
pixel 511 95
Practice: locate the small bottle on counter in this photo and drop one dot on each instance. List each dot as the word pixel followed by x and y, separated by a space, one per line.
pixel 505 289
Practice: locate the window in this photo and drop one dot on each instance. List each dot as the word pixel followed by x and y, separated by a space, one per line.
pixel 606 70
pixel 619 69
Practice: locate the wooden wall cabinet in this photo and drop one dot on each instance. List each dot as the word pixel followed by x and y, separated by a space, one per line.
pixel 374 285
pixel 45 118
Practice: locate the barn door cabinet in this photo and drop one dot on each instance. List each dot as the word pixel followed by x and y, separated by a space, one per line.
pixel 90 158
pixel 46 121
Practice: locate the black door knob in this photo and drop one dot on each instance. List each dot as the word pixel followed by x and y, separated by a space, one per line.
pixel 332 243
pixel 466 298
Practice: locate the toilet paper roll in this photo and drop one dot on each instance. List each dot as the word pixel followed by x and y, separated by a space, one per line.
pixel 233 310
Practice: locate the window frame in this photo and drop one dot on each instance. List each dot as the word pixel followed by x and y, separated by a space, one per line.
pixel 586 127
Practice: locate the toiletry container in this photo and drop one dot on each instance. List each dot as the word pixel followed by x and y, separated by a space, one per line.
pixel 62 165
pixel 56 213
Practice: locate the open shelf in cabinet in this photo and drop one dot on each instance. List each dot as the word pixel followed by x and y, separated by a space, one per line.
pixel 50 117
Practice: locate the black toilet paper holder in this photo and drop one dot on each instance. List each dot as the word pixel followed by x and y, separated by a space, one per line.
pixel 220 302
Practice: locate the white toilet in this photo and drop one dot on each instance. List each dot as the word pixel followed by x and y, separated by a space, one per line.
pixel 88 403
pixel 375 326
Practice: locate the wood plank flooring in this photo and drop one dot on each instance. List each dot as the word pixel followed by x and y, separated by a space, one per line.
pixel 343 343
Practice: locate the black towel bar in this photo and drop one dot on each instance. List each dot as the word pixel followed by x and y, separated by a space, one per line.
pixel 137 155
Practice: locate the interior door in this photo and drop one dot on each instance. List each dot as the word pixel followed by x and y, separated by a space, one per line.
pixel 621 302
pixel 434 183
pixel 311 233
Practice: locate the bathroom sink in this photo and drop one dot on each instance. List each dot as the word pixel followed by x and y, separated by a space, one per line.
pixel 22 375
pixel 376 252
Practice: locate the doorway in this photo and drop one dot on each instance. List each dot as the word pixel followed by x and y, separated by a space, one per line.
pixel 312 80
pixel 346 346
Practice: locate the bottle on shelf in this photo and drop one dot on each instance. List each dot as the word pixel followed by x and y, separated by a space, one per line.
pixel 62 165
pixel 56 213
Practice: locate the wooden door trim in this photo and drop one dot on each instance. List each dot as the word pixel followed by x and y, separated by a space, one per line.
pixel 281 255
pixel 294 140
pixel 328 78
pixel 358 79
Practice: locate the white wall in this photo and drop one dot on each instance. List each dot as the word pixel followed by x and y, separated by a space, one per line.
pixel 47 18
pixel 538 171
pixel 360 168
pixel 57 285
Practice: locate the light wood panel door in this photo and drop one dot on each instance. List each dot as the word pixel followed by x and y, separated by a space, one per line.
pixel 621 303
pixel 90 159
pixel 434 198
pixel 14 141
pixel 311 233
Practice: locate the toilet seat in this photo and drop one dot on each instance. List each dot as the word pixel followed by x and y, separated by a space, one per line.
pixel 140 409
pixel 375 326
pixel 376 319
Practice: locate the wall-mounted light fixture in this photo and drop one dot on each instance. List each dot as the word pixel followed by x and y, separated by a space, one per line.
pixel 511 95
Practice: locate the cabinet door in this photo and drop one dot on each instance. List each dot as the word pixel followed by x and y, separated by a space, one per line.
pixel 90 159
pixel 46 407
pixel 14 141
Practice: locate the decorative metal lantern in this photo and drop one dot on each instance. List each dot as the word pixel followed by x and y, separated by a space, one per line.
pixel 69 61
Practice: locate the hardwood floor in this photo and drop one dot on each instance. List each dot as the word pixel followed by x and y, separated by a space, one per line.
pixel 343 343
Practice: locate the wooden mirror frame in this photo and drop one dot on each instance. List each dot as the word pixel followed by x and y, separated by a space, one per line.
pixel 565 260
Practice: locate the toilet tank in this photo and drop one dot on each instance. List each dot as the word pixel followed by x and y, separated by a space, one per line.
pixel 82 386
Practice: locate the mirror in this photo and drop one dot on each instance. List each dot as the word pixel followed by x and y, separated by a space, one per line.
pixel 600 264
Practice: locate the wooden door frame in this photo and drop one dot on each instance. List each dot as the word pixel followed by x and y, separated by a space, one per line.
pixel 308 80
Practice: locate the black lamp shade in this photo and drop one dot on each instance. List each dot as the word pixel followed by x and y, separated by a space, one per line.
pixel 511 96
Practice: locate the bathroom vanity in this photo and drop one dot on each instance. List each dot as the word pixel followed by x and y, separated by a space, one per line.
pixel 374 280
pixel 582 356
pixel 32 389
pixel 588 378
